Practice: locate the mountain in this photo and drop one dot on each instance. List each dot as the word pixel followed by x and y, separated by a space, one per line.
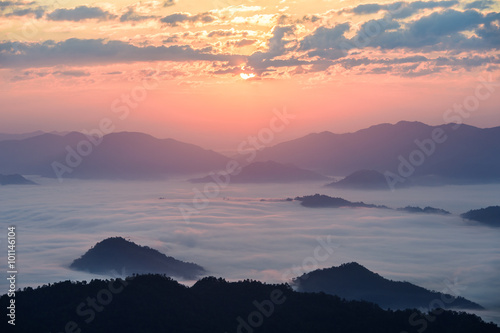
pixel 489 215
pixel 269 172
pixel 124 257
pixel 124 155
pixel 15 179
pixel 352 281
pixel 453 153
pixel 425 210
pixel 21 136
pixel 324 201
pixel 365 180
pixel 154 303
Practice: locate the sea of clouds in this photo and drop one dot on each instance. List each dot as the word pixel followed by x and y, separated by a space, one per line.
pixel 238 236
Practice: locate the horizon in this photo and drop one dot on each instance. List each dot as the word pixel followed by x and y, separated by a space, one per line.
pixel 228 151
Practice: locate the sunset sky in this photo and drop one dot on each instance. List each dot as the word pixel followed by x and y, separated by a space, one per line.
pixel 211 72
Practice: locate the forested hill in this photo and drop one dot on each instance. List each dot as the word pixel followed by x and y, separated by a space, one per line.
pixel 154 303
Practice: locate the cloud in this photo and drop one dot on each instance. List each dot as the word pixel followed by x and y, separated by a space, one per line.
pixel 400 9
pixel 242 42
pixel 480 4
pixel 79 13
pixel 176 19
pixel 327 43
pixel 131 15
pixel 97 51
pixel 169 3
pixel 73 73
pixel 445 23
pixel 37 12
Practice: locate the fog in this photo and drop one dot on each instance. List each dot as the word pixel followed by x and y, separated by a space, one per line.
pixel 237 236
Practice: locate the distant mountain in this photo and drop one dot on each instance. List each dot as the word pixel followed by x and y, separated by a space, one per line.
pixel 124 155
pixel 352 281
pixel 154 303
pixel 269 172
pixel 449 153
pixel 425 210
pixel 489 215
pixel 321 200
pixel 121 256
pixel 15 180
pixel 21 136
pixel 365 180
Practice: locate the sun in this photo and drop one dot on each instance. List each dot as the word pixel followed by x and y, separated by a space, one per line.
pixel 246 76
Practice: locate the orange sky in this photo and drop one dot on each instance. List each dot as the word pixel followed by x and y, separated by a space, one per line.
pixel 174 67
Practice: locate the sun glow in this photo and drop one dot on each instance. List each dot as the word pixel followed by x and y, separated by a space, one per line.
pixel 246 76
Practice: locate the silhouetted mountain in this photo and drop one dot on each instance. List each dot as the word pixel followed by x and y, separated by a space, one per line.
pixel 354 282
pixel 15 180
pixel 268 172
pixel 117 255
pixel 124 155
pixel 153 303
pixel 426 210
pixel 21 136
pixel 463 154
pixel 489 215
pixel 365 180
pixel 321 200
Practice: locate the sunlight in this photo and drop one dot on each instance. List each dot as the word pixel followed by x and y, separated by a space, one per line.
pixel 246 76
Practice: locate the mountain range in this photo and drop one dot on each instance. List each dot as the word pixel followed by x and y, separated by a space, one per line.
pixel 155 303
pixel 453 153
pixel 415 152
pixel 124 155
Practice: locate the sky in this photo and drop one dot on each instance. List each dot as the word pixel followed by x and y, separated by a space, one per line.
pixel 212 72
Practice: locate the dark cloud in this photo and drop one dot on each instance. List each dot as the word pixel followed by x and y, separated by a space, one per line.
pixel 97 51
pixel 176 19
pixel 327 43
pixel 37 12
pixel 79 13
pixel 132 16
pixel 369 8
pixel 169 3
pixel 72 73
pixel 439 31
pixel 242 42
pixel 446 23
pixel 226 33
pixel 4 4
pixel 400 9
pixel 480 4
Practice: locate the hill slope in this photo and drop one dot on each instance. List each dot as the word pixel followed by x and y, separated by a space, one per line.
pixel 124 155
pixel 489 215
pixel 121 256
pixel 15 179
pixel 354 282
